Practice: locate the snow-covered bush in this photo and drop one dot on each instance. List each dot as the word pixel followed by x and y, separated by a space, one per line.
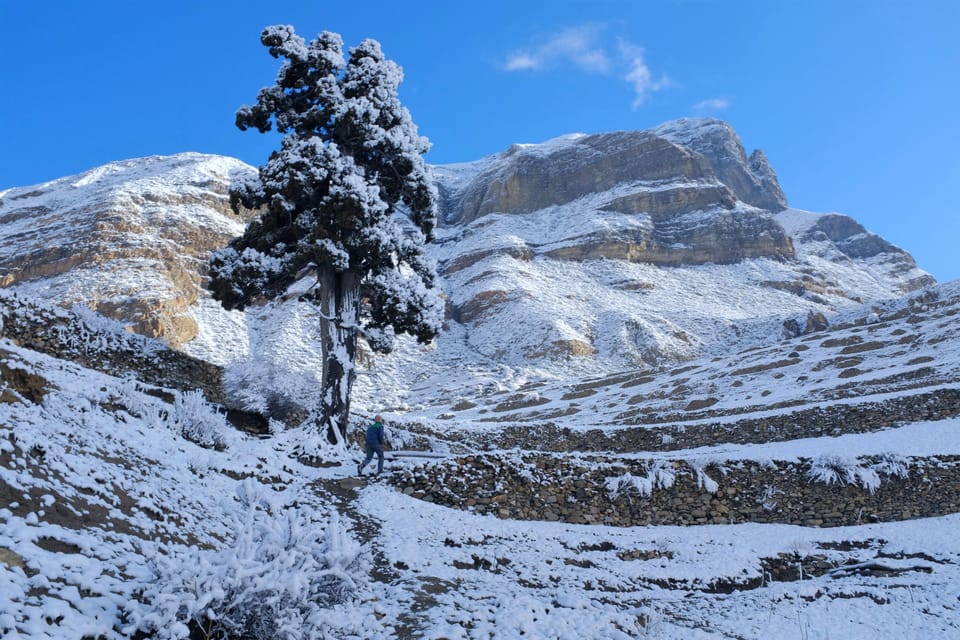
pixel 134 400
pixel 276 581
pixel 658 474
pixel 199 421
pixel 247 387
pixel 87 331
pixel 768 499
pixel 891 464
pixel 801 548
pixel 834 469
pixel 263 386
pixel 704 481
pixel 310 445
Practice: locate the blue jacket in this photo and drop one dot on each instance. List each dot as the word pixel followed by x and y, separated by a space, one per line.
pixel 375 434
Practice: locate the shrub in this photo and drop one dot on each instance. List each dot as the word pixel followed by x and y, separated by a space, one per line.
pixel 832 468
pixel 273 583
pixel 198 421
pixel 704 481
pixel 130 394
pixel 659 474
pixel 891 464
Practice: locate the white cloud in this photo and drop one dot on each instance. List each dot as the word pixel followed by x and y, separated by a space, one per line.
pixel 576 45
pixel 522 62
pixel 639 75
pixel 581 47
pixel 711 104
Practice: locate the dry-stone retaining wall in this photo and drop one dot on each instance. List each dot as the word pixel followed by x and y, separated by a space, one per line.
pixel 814 422
pixel 65 335
pixel 556 488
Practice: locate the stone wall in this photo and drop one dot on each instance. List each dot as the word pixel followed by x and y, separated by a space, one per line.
pixel 813 422
pixel 554 488
pixel 62 334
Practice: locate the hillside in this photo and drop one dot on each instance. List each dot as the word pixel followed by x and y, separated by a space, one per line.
pixel 600 253
pixel 128 239
pixel 665 404
pixel 639 248
pixel 823 511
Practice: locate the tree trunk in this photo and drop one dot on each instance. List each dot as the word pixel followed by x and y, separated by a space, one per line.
pixel 340 313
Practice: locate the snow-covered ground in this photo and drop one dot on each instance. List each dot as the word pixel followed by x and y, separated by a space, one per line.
pixel 125 508
pixel 114 520
pixel 550 580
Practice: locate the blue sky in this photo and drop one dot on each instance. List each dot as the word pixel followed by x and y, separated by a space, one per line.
pixel 854 102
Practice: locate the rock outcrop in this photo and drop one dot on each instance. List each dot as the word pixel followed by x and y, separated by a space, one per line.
pixel 751 179
pixel 129 239
pixel 730 236
pixel 615 249
pixel 842 240
pixel 528 178
pixel 692 195
pixel 855 242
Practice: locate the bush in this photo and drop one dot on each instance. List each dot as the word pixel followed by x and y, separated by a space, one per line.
pixel 659 474
pixel 198 421
pixel 704 481
pixel 892 464
pixel 273 583
pixel 831 469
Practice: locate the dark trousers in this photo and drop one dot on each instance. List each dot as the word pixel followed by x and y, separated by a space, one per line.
pixel 371 449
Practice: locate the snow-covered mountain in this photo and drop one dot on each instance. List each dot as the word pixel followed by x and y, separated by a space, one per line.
pixel 797 487
pixel 665 405
pixel 128 239
pixel 584 254
pixel 642 247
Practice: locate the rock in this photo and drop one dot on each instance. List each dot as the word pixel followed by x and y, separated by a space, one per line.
pixel 752 180
pixel 728 237
pixel 844 235
pixel 12 559
pixel 526 180
pixel 129 239
pixel 672 178
pixel 815 322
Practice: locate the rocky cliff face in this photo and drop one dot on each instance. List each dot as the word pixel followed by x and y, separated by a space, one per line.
pixel 129 239
pixel 618 249
pixel 751 179
pixel 840 239
pixel 532 177
pixel 643 247
pixel 705 152
pixel 687 190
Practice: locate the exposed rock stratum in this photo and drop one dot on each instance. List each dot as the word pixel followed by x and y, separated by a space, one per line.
pixel 614 249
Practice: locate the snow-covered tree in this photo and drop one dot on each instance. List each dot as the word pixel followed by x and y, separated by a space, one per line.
pixel 347 206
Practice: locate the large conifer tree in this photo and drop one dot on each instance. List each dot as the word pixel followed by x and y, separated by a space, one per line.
pixel 335 199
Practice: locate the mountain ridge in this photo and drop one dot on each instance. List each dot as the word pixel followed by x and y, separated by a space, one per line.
pixel 794 419
pixel 606 278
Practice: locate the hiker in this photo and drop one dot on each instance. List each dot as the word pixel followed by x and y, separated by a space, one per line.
pixel 374 444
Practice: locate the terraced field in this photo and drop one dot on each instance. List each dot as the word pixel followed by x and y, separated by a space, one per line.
pixel 809 488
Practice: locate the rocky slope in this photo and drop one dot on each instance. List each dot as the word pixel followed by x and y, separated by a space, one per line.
pixel 635 248
pixel 617 250
pixel 128 239
pixel 821 472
